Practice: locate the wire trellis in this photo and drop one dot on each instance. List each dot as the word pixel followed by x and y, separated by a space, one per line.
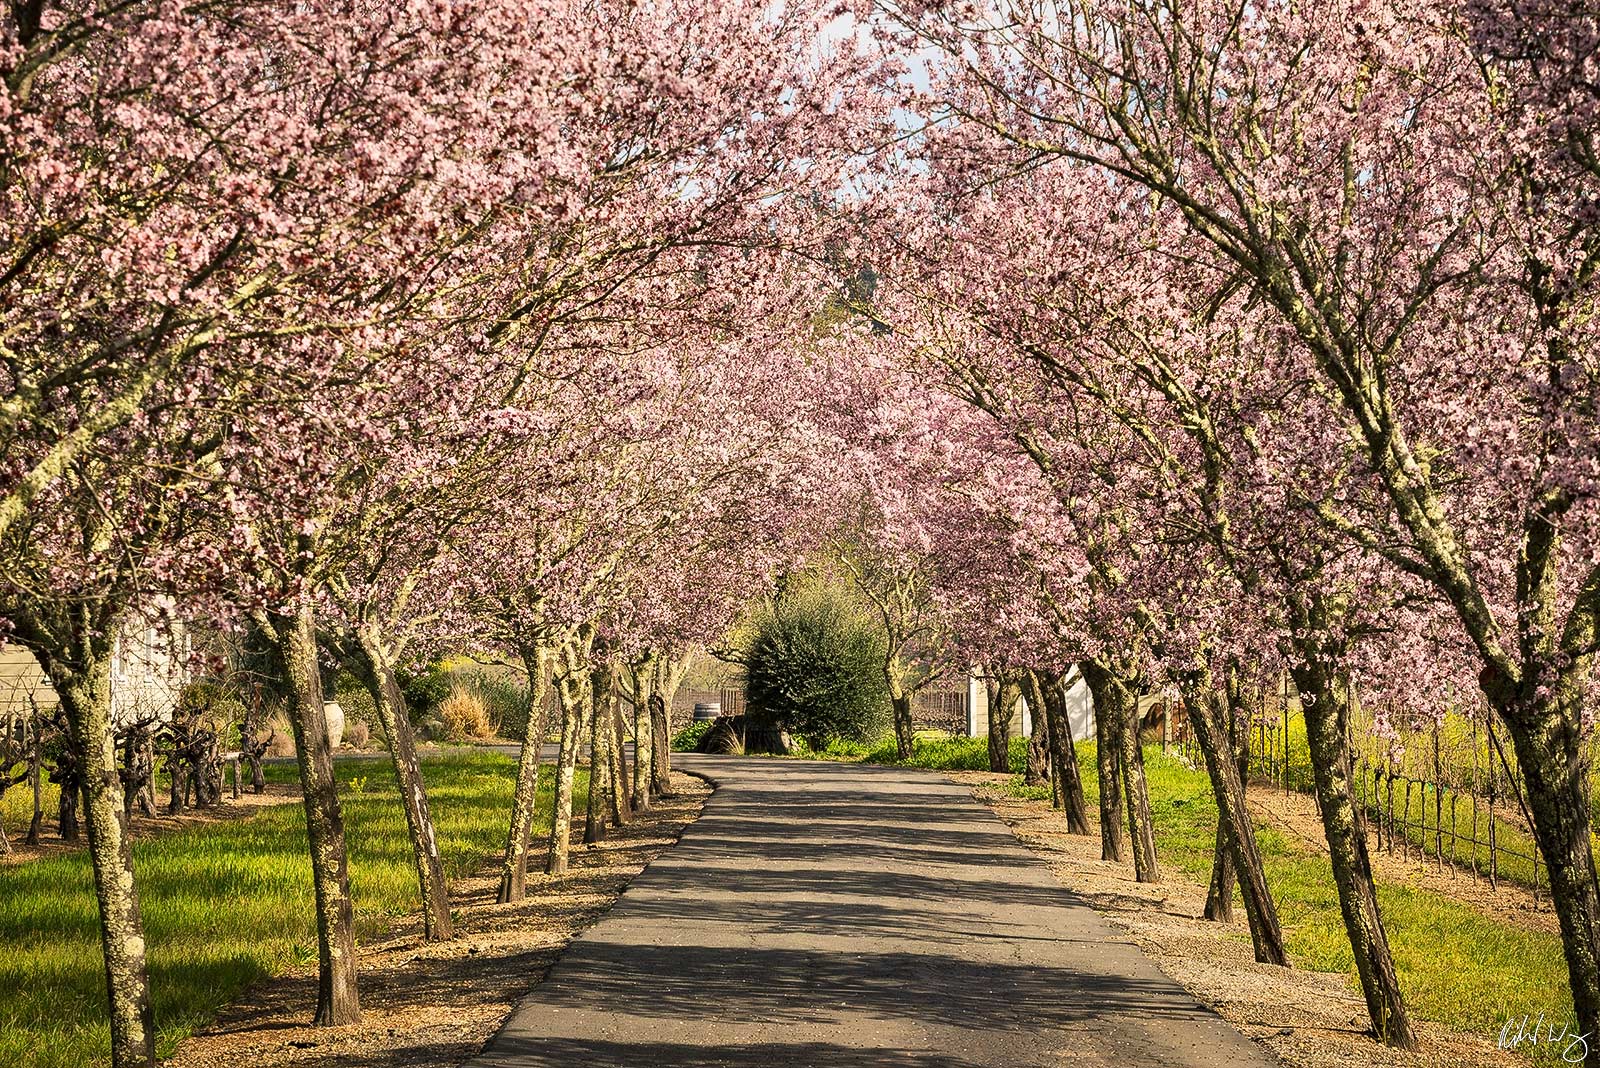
pixel 1450 795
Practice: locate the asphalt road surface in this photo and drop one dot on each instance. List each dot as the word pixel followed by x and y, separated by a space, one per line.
pixel 846 916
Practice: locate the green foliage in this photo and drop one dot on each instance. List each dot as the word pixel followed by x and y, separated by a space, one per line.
pixel 356 700
pixel 424 690
pixel 506 700
pixel 934 750
pixel 686 740
pixel 217 705
pixel 814 667
pixel 226 905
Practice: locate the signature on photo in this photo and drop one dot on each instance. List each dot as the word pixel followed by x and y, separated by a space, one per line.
pixel 1517 1032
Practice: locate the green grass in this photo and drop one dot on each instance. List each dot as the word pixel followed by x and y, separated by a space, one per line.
pixel 1456 966
pixel 1515 847
pixel 226 904
pixel 689 737
pixel 931 749
pixel 16 808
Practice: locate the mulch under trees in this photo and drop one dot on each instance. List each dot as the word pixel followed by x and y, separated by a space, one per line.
pixel 426 1005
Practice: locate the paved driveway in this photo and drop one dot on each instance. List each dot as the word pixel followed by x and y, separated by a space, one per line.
pixel 845 916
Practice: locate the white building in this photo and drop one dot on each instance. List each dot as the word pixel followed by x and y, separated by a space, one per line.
pixel 1080 709
pixel 149 668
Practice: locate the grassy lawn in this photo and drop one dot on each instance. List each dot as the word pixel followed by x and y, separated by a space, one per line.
pixel 1457 966
pixel 226 904
pixel 1515 847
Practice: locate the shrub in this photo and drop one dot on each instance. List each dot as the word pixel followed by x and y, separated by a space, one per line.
pixel 506 700
pixel 814 667
pixel 686 740
pixel 463 717
pixel 282 743
pixel 354 697
pixel 425 691
pixel 356 734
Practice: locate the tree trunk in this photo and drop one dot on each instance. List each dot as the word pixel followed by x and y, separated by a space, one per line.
pixel 1137 798
pixel 1116 706
pixel 1036 762
pixel 621 806
pixel 644 732
pixel 669 676
pixel 1554 760
pixel 594 824
pixel 177 778
pixel 67 811
pixel 1042 763
pixel 295 648
pixel 35 782
pixel 1000 692
pixel 900 703
pixel 1327 739
pixel 1108 776
pixel 572 686
pixel 1219 891
pixel 660 748
pixel 85 694
pixel 525 796
pixel 1073 805
pixel 1235 831
pixel 390 704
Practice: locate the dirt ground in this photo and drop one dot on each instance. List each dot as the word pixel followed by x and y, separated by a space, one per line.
pixel 150 826
pixel 1308 1019
pixel 433 1006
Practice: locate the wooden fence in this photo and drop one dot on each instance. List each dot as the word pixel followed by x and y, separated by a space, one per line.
pixel 1457 802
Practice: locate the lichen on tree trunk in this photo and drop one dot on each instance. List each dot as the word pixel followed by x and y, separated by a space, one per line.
pixel 1316 678
pixel 1236 833
pixel 669 676
pixel 1002 694
pixel 84 688
pixel 1108 773
pixel 643 732
pixel 1550 751
pixel 1116 708
pixel 600 767
pixel 620 805
pixel 660 748
pixel 572 689
pixel 525 795
pixel 295 648
pixel 378 673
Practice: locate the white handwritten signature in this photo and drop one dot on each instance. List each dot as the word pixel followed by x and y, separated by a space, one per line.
pixel 1516 1033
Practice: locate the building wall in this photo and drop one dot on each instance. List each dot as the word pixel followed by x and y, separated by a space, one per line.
pixel 148 674
pixel 978 712
pixel 23 682
pixel 1080 710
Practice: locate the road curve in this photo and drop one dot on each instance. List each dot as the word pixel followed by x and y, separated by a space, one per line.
pixel 845 916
